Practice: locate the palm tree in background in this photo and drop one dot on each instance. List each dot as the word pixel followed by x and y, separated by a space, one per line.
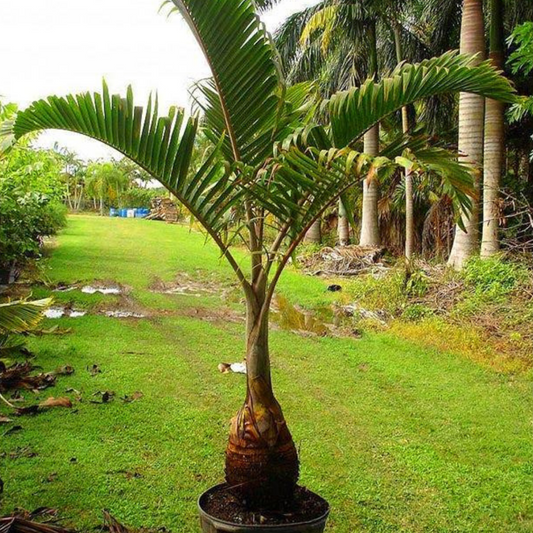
pixel 270 168
pixel 343 42
pixel 494 149
pixel 471 132
pixel 104 182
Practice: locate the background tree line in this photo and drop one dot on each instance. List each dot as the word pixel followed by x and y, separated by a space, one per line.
pixel 340 43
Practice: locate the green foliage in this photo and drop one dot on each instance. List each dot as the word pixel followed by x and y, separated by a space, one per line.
pixel 416 284
pixel 494 277
pixel 521 60
pixel 416 312
pixel 31 193
pixel 105 183
pixel 139 196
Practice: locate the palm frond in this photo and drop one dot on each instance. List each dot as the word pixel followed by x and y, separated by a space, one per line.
pixel 161 145
pixel 20 316
pixel 244 91
pixel 355 111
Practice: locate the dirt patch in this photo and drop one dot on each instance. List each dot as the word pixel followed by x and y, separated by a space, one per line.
pixel 208 314
pixel 306 323
pixel 187 285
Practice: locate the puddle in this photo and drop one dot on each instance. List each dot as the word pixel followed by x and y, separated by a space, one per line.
pixel 54 312
pixel 292 318
pixel 89 289
pixel 124 314
pixel 58 312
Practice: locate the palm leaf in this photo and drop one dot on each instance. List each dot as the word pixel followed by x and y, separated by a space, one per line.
pixel 356 110
pixel 244 92
pixel 161 145
pixel 21 316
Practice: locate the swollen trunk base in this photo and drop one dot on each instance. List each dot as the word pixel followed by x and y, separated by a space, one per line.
pixel 263 478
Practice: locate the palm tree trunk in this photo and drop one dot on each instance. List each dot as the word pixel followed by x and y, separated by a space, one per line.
pixel 262 464
pixel 409 198
pixel 471 127
pixel 494 140
pixel 314 235
pixel 370 218
pixel 343 225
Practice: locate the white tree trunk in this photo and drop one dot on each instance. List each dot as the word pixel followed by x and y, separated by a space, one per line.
pixel 471 127
pixel 343 226
pixel 314 234
pixel 370 219
pixel 494 140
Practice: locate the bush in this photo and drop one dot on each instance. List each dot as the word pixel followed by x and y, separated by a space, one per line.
pixel 494 277
pixel 415 312
pixel 31 205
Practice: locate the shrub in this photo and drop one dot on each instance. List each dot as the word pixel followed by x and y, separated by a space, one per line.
pixel 31 205
pixel 415 312
pixel 494 277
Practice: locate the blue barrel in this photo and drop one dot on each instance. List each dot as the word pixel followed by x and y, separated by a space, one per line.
pixel 123 213
pixel 113 212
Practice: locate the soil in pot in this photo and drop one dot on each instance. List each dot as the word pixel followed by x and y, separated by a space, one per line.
pixel 224 505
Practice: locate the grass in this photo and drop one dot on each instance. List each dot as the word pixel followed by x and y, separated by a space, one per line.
pixel 398 437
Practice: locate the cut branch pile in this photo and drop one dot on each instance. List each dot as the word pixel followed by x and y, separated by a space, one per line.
pixel 163 209
pixel 344 261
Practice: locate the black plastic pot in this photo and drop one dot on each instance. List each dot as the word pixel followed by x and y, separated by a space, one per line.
pixel 210 524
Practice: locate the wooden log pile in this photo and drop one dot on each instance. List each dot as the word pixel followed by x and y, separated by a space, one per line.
pixel 163 209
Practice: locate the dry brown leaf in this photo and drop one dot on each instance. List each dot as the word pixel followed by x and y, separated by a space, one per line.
pixel 56 402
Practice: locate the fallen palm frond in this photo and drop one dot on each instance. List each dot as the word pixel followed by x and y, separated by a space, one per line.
pixel 16 524
pixel 343 260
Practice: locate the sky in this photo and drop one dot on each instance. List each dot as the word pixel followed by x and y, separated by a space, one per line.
pixel 67 46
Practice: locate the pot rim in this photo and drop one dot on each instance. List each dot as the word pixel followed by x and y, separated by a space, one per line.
pixel 268 527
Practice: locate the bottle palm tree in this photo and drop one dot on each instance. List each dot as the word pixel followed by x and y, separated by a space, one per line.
pixel 267 166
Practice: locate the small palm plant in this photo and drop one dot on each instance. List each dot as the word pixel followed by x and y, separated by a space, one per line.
pixel 269 169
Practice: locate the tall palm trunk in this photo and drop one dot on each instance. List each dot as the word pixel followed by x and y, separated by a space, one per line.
pixel 471 127
pixel 261 459
pixel 409 197
pixel 370 217
pixel 494 140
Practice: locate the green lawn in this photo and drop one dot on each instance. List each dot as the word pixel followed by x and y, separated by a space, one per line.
pixel 396 437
